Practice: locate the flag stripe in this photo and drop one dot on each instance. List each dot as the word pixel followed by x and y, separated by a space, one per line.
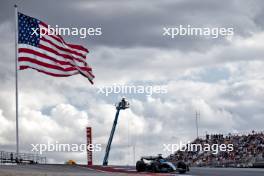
pixel 69 55
pixel 47 59
pixel 45 54
pixel 42 67
pixel 32 51
pixel 47 63
pixel 24 65
pixel 61 47
pixel 44 64
pixel 78 47
pixel 58 42
pixel 59 54
pixel 56 38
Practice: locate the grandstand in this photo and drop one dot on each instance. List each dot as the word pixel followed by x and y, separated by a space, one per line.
pixel 11 157
pixel 248 151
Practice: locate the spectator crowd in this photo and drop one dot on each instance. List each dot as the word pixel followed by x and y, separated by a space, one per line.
pixel 248 149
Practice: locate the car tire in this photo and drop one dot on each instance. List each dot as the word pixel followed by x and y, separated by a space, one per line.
pixel 182 167
pixel 140 166
pixel 182 171
pixel 154 168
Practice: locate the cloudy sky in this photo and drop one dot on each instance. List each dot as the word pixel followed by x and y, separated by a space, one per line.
pixel 222 78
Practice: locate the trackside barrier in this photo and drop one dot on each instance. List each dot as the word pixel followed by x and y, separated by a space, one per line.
pixel 21 158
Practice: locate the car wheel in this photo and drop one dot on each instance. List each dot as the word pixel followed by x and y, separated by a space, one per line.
pixel 182 171
pixel 140 166
pixel 154 168
pixel 182 167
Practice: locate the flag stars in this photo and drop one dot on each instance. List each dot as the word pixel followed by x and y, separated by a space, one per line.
pixel 25 25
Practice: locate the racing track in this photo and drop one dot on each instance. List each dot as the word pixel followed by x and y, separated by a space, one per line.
pixel 193 171
pixel 67 170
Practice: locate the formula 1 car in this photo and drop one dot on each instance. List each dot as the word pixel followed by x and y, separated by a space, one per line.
pixel 160 165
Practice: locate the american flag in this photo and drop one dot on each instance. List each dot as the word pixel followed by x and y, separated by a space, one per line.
pixel 49 54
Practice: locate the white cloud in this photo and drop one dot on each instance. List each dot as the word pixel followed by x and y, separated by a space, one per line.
pixel 59 109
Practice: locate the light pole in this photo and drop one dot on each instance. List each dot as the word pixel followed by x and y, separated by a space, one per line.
pixel 197 115
pixel 123 104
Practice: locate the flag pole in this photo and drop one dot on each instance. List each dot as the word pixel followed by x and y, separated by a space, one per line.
pixel 16 75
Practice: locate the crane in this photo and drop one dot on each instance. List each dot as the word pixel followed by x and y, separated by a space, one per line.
pixel 122 105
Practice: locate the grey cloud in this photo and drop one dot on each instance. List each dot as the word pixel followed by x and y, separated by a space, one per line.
pixel 139 24
pixel 133 51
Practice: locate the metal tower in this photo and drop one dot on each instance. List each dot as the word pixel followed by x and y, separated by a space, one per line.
pixel 123 104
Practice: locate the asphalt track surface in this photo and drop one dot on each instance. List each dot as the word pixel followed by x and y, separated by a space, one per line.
pixel 67 170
